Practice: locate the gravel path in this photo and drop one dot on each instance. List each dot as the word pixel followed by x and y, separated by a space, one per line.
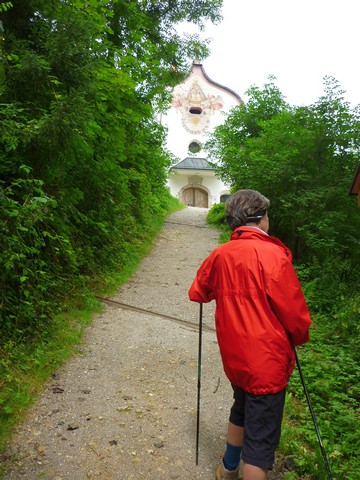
pixel 125 406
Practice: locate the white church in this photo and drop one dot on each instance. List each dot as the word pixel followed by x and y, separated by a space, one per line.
pixel 198 106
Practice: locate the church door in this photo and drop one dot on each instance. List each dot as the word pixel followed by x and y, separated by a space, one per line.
pixel 195 197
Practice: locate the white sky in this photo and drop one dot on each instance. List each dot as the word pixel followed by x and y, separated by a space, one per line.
pixel 297 41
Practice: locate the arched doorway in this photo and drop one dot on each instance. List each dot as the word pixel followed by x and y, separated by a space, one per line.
pixel 195 197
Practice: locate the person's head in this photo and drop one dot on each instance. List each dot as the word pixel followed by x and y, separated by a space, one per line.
pixel 247 207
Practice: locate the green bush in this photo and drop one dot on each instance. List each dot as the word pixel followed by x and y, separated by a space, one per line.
pixel 38 262
pixel 216 215
pixel 331 367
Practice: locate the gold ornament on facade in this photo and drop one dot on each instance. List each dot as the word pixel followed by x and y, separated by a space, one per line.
pixel 196 107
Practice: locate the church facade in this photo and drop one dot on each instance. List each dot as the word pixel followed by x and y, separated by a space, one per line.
pixel 199 105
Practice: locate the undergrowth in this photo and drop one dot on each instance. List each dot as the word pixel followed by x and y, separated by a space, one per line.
pixel 331 373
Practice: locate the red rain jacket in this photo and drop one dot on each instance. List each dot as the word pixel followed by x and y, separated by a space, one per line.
pixel 260 309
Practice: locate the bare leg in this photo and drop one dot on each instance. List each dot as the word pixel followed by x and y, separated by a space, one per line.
pixel 250 472
pixel 235 435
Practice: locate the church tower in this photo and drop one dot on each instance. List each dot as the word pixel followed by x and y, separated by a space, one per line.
pixel 199 105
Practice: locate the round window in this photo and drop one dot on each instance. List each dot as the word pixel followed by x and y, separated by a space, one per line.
pixel 194 147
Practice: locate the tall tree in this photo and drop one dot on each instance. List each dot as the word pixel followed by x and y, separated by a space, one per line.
pixel 303 159
pixel 82 160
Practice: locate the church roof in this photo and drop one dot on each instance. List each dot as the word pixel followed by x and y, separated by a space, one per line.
pixel 197 63
pixel 193 163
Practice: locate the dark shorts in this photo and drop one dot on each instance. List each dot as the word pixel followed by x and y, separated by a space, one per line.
pixel 261 417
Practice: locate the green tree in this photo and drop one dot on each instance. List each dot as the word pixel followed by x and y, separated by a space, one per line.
pixel 80 145
pixel 303 159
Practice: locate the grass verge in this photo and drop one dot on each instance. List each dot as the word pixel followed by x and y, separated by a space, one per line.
pixel 25 367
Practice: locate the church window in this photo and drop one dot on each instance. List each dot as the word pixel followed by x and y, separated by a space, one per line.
pixel 195 110
pixel 194 147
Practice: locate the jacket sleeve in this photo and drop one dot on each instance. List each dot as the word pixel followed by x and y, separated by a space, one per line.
pixel 201 290
pixel 288 301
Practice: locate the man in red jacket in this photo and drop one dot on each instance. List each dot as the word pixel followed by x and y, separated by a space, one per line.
pixel 260 315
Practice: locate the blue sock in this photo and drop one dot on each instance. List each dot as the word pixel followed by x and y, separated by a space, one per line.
pixel 231 457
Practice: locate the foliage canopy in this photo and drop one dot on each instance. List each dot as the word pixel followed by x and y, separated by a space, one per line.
pixel 82 160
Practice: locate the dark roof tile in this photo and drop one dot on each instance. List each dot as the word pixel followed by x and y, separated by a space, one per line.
pixel 193 163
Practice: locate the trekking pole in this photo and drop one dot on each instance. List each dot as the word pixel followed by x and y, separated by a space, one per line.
pixel 313 417
pixel 198 385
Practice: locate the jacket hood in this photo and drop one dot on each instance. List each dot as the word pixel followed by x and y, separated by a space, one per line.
pixel 253 233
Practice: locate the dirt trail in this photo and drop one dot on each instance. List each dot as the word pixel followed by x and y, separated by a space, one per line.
pixel 125 407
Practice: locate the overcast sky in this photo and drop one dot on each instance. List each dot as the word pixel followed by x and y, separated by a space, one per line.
pixel 299 42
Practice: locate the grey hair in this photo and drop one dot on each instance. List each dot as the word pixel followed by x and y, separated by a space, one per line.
pixel 245 206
